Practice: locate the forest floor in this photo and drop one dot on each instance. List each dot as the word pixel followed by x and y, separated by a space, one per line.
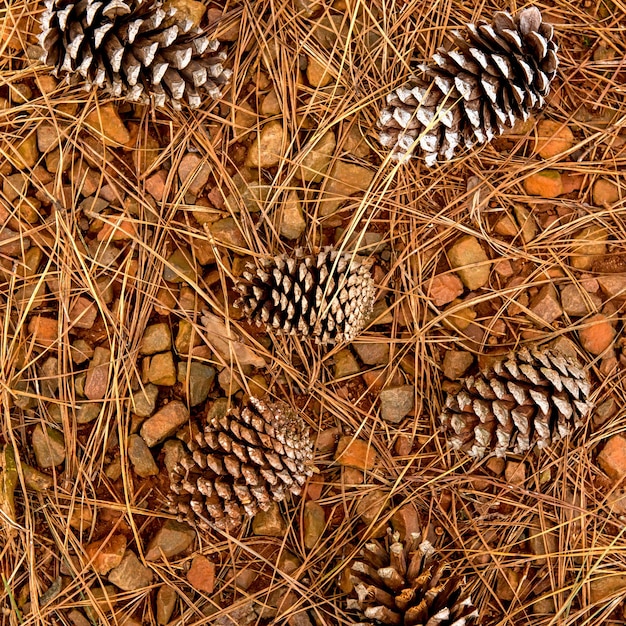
pixel 121 224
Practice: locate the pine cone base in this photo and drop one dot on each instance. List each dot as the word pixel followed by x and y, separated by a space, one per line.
pixel 239 464
pixel 472 93
pixel 532 398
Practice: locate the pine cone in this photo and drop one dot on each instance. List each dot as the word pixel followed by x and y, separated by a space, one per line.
pixel 239 463
pixel 406 584
pixel 327 296
pixel 532 397
pixel 472 93
pixel 132 49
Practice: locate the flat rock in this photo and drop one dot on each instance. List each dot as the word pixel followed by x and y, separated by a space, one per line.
pixel 406 521
pixel 197 380
pixel 106 121
pixel 180 267
pixel 292 222
pixel 456 363
pixel 226 231
pixel 515 473
pixel 371 506
pixel 372 353
pixel 165 604
pixel 470 262
pixel 143 402
pixel 156 338
pixel 267 149
pixel 612 458
pixel 164 423
pixel 577 302
pixel 605 192
pixel 201 574
pixel 48 446
pixel 607 587
pixel 597 335
pixel 130 574
pixel 318 74
pixel 317 154
pixel 193 172
pixel 141 457
pixel 106 553
pixel 343 180
pixel 444 288
pixel 97 380
pixel 170 540
pixel 314 523
pixel 345 364
pixel 44 329
pixel 553 138
pixel 591 242
pixel 545 184
pixel 269 523
pixel 156 185
pixel 545 305
pixel 396 403
pixel 83 313
pixel 357 453
pixel 162 370
pixel 88 412
pixel 613 286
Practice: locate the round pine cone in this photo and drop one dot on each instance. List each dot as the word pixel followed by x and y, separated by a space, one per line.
pixel 238 464
pixel 473 92
pixel 135 49
pixel 327 296
pixel 405 584
pixel 532 397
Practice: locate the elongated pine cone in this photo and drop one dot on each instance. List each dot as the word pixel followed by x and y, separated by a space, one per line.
pixel 532 397
pixel 135 49
pixel 470 94
pixel 406 584
pixel 327 296
pixel 238 464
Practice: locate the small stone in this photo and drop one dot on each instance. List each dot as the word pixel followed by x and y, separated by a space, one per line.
pixel 271 105
pixel 507 584
pixel 78 619
pixel 201 574
pixel 97 380
pixel 314 523
pixel 165 604
pixel 526 222
pixel 106 121
pixel 613 286
pixel 83 313
pixel 345 364
pixel 48 446
pixel 545 184
pixel 406 521
pixel 26 154
pixel 156 185
pixel 515 473
pixel 156 338
pixel 164 423
pixel 317 155
pixel 33 479
pixel 357 453
pixel 612 459
pixel 318 74
pixel 193 172
pixel 545 305
pixel 543 542
pixel 44 330
pixel 458 319
pixel 343 180
pixel 292 222
pixel 197 380
pixel 496 465
pixel 396 403
pixel 444 288
pixel 605 192
pixel 227 232
pixel 143 402
pixel 371 506
pixel 577 302
pixel 269 523
pixel 372 353
pixel 162 370
pixel 506 226
pixel 267 149
pixel 106 553
pixel 590 243
pixel 598 334
pixel 141 457
pixel 117 229
pixel 185 337
pixel 553 138
pixel 88 412
pixel 180 267
pixel 609 586
pixel 130 574
pixel 456 363
pixel 171 539
pixel 47 137
pixel 470 262
pixel 192 10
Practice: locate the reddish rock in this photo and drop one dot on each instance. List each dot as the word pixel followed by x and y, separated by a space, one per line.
pixel 44 329
pixel 444 288
pixel 546 305
pixel 83 313
pixel 98 374
pixel 515 472
pixel 355 453
pixel 612 459
pixel 120 229
pixel 605 192
pixel 106 121
pixel 314 523
pixel 545 184
pixel 406 521
pixel 553 138
pixel 155 185
pixel 201 574
pixel 597 335
pixel 106 553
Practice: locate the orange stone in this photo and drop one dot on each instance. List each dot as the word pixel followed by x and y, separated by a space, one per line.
pixel 107 553
pixel 357 453
pixel 44 329
pixel 605 192
pixel 545 184
pixel 553 138
pixel 598 334
pixel 120 229
pixel 444 288
pixel 201 574
pixel 155 185
pixel 107 123
pixel 612 459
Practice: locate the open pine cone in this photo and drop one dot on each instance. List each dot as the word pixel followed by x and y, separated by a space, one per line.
pixel 238 464
pixel 135 49
pixel 327 296
pixel 470 94
pixel 406 584
pixel 532 397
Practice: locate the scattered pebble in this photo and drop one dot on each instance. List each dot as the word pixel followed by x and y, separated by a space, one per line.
pixel 469 260
pixel 456 363
pixel 357 453
pixel 107 553
pixel 268 148
pixel 314 523
pixel 106 121
pixel 542 541
pixel 165 603
pixel 371 506
pixel 88 412
pixel 228 233
pixel 48 446
pixel 164 423
pixel 577 302
pixel 610 586
pixel 83 313
pixel 612 286
pixel 545 184
pixel 406 522
pixel 553 138
pixel 162 370
pixel 292 222
pixel 345 364
pixel 545 305
pixel 269 523
pixel 515 472
pixel 605 192
pixel 201 574
pixel 372 353
pixel 143 401
pixel 444 288
pixel 197 380
pixel 396 403
pixel 97 380
pixel 170 540
pixel 598 334
pixel 130 574
pixel 180 267
pixel 141 457
pixel 344 180
pixel 156 338
pixel 317 157
pixel 318 73
pixel 156 185
pixel 193 172
pixel 612 458
pixel 590 243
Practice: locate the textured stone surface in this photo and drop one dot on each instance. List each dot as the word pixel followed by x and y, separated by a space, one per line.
pixel 162 370
pixel 269 523
pixel 357 453
pixel 317 157
pixel 165 604
pixel 48 446
pixel 545 184
pixel 197 380
pixel 106 122
pixel 553 138
pixel 130 574
pixel 612 458
pixel 141 457
pixel 345 364
pixel 605 192
pixel 470 261
pixel 372 353
pixel 143 401
pixel 156 338
pixel 106 553
pixel 314 523
pixel 546 305
pixel 456 363
pixel 170 540
pixel 344 180
pixel 590 242
pixel 267 149
pixel 292 222
pixel 597 335
pixel 201 574
pixel 164 423
pixel 396 403
pixel 444 288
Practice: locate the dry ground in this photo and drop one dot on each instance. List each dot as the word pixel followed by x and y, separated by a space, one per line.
pixel 543 545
